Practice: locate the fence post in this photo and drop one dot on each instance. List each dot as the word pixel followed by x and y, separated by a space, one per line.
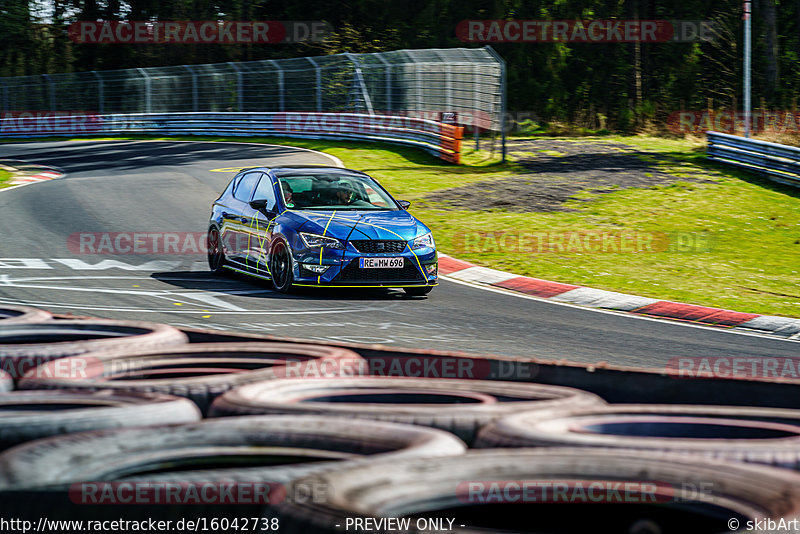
pixel 476 103
pixel 319 83
pixel 502 63
pixel 194 87
pixel 281 101
pixel 100 92
pixel 448 81
pixel 52 90
pixel 388 82
pixel 419 89
pixel 239 96
pixel 360 78
pixel 148 95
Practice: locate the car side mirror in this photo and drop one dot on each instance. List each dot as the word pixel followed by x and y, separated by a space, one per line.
pixel 260 204
pixel 404 204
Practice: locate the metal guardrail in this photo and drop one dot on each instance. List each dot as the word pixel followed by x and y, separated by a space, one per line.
pixel 441 140
pixel 780 163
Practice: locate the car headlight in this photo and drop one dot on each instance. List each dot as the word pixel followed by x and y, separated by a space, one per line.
pixel 423 241
pixel 315 240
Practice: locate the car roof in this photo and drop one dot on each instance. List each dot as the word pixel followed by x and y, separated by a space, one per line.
pixel 291 169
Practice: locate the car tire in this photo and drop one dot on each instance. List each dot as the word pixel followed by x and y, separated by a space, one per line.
pixel 52 474
pixel 6 382
pixel 22 314
pixel 482 491
pixel 280 268
pixel 736 433
pixel 30 415
pixel 23 346
pixel 198 371
pixel 417 291
pixel 457 406
pixel 216 256
pixel 158 450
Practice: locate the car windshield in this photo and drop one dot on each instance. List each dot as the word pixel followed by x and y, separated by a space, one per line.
pixel 334 191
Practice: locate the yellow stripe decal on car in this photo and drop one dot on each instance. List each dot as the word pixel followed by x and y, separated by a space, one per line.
pixel 261 240
pixel 319 276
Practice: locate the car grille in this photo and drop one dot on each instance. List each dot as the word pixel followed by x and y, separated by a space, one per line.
pixel 352 273
pixel 377 246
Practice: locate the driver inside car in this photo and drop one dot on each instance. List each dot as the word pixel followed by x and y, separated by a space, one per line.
pixel 345 193
pixel 287 194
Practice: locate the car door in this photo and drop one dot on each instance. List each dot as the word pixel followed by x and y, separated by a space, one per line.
pixel 236 216
pixel 262 223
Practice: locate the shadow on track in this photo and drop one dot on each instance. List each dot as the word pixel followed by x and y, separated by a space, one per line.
pixel 236 283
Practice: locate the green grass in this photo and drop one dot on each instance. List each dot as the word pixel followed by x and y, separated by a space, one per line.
pixel 748 258
pixel 5 177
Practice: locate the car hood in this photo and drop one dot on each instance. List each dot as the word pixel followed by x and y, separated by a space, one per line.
pixel 349 225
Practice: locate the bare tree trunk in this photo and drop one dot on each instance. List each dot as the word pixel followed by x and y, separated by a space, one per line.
pixel 797 20
pixel 771 50
pixel 635 55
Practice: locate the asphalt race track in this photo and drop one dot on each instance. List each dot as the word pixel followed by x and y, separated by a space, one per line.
pixel 159 187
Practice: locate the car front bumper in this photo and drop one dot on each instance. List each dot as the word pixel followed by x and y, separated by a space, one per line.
pixel 420 268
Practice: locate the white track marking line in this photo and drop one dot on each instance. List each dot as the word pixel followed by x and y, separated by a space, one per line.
pixel 620 313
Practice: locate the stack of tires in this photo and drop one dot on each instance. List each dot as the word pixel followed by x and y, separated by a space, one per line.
pixel 103 420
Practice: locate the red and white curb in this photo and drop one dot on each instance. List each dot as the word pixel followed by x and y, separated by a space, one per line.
pixel 40 177
pixel 27 173
pixel 611 300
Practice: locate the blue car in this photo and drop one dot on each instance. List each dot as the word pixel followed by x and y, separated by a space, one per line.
pixel 319 226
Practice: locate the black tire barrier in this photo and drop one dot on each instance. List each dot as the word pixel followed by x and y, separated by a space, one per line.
pixel 738 433
pixel 22 314
pixel 27 345
pixel 94 475
pixel 545 491
pixel 30 415
pixel 198 371
pixel 458 406
pixel 6 382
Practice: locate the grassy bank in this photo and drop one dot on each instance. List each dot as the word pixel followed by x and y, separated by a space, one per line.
pixel 5 178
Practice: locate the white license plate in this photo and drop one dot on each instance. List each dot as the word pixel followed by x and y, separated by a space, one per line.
pixel 380 263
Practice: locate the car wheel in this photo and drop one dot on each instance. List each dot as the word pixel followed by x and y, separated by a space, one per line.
pixel 280 268
pixel 417 291
pixel 216 258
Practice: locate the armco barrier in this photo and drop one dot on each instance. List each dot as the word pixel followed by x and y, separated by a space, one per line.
pixel 441 140
pixel 780 163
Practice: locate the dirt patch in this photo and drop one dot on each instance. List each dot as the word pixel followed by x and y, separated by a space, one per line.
pixel 554 171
